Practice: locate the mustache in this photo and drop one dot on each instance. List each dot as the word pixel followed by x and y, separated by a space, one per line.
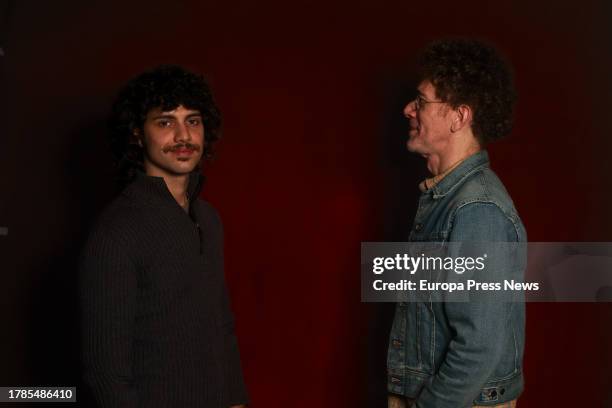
pixel 186 145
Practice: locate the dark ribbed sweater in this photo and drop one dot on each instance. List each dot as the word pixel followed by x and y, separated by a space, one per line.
pixel 157 326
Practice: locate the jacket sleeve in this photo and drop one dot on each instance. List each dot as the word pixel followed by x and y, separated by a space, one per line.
pixel 107 289
pixel 473 351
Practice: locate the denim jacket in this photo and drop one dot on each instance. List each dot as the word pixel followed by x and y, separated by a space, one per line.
pixel 459 354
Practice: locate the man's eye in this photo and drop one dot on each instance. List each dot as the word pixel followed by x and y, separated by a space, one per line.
pixel 194 122
pixel 419 102
pixel 164 123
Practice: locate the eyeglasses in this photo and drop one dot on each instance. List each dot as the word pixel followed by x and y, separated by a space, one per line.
pixel 419 101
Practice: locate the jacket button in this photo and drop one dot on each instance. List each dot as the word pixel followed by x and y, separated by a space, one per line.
pixel 396 343
pixel 418 227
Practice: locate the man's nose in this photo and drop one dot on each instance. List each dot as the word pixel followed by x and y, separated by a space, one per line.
pixel 182 133
pixel 410 109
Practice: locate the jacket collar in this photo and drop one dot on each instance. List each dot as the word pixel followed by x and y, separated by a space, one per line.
pixel 470 165
pixel 145 187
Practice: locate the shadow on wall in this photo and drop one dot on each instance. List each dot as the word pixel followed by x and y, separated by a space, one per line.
pixel 53 317
pixel 402 172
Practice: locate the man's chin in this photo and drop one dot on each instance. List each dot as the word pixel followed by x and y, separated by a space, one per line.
pixel 412 147
pixel 171 171
pixel 183 166
pixel 418 150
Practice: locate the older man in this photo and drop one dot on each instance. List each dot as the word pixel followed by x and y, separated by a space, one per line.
pixel 459 354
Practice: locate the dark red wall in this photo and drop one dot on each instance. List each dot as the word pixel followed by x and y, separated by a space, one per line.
pixel 311 164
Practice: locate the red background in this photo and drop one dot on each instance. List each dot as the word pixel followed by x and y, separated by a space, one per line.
pixel 312 163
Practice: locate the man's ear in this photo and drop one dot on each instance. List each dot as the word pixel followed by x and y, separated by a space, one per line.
pixel 463 117
pixel 136 137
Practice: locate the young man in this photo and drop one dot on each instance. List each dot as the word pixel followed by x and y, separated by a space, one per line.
pixel 459 354
pixel 156 321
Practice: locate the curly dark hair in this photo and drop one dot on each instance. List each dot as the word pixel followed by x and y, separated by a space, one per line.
pixel 471 72
pixel 165 87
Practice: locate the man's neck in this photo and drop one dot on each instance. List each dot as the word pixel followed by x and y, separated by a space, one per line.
pixel 438 163
pixel 178 188
pixel 177 185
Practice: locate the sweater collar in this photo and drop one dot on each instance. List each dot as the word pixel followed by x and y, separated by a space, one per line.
pixel 454 178
pixel 146 187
